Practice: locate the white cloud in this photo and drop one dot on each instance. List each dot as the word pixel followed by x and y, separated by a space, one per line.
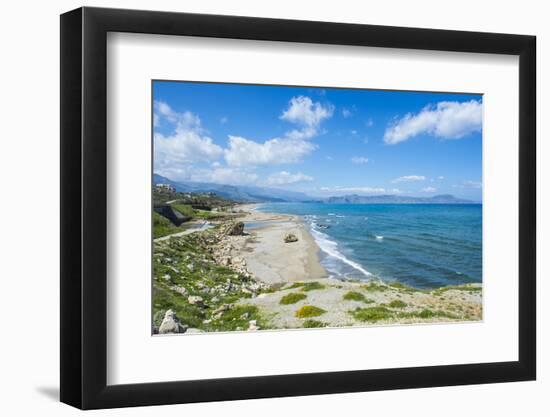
pixel 409 178
pixel 292 147
pixel 359 160
pixel 370 122
pixel 445 120
pixel 188 143
pixel 429 190
pixel 346 113
pixel 224 175
pixel 303 111
pixel 441 177
pixel 353 132
pixel 285 178
pixel 244 152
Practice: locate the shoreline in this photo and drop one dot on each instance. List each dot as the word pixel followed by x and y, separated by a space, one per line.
pixel 215 280
pixel 269 258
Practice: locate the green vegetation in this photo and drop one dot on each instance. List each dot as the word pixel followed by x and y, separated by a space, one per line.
pixel 397 304
pixel 311 324
pixel 374 286
pixel 184 267
pixel 307 286
pixel 292 298
pixel 187 210
pixel 237 318
pixel 379 313
pixel 309 311
pixel 357 296
pixel 427 314
pixel 471 289
pixel 372 314
pixel 162 226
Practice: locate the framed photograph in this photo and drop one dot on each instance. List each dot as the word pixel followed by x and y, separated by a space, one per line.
pixel 258 208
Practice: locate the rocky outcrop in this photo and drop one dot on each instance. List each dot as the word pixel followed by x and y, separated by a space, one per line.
pixel 291 237
pixel 234 229
pixel 171 324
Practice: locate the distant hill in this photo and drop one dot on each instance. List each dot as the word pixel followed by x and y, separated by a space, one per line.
pixel 237 193
pixel 254 194
pixel 397 199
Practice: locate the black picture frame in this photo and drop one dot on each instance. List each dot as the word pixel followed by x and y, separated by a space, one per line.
pixel 84 207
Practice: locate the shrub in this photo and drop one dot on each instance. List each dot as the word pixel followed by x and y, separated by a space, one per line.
pixel 309 311
pixel 372 313
pixel 375 287
pixel 311 324
pixel 397 304
pixel 354 296
pixel 292 298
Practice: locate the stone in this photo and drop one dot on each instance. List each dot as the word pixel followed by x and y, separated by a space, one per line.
pixel 171 324
pixel 234 229
pixel 195 300
pixel 252 325
pixel 291 237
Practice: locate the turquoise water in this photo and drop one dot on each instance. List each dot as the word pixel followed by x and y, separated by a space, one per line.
pixel 422 245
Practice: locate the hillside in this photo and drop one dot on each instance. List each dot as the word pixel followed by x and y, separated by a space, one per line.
pixel 397 199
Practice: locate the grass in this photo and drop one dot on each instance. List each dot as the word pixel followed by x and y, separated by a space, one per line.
pixel 312 324
pixel 375 287
pixel 372 314
pixel 187 210
pixel 465 287
pixel 309 311
pixel 183 266
pixel 357 296
pixel 162 226
pixel 237 318
pixel 397 304
pixel 307 286
pixel 427 314
pixel 292 298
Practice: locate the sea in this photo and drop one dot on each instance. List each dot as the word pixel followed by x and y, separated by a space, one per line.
pixel 419 245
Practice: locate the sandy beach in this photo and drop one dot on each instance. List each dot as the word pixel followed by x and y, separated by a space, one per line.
pixel 230 278
pixel 269 258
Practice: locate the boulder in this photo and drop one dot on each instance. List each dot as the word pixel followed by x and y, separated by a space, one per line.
pixel 195 300
pixel 171 324
pixel 252 325
pixel 234 229
pixel 291 237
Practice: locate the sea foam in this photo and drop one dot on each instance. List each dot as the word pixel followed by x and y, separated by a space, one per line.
pixel 331 248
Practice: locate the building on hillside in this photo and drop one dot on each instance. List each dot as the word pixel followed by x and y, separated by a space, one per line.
pixel 165 187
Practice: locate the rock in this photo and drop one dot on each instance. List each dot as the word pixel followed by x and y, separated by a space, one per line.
pixel 191 267
pixel 166 277
pixel 252 325
pixel 178 289
pixel 245 316
pixel 291 237
pixel 171 324
pixel 195 300
pixel 234 229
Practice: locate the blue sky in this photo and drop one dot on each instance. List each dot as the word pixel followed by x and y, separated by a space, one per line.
pixel 322 141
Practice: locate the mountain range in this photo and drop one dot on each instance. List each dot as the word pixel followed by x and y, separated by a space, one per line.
pixel 255 194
